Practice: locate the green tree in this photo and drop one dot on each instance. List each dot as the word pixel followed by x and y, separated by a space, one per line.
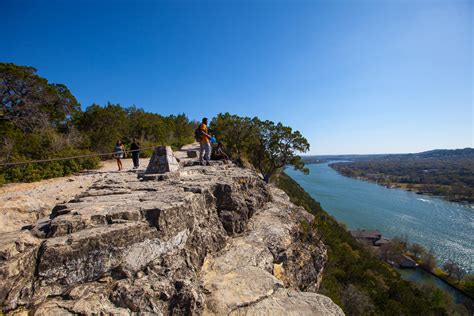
pixel 147 126
pixel 153 129
pixel 103 126
pixel 416 249
pixel 428 261
pixel 356 301
pixel 449 267
pixel 180 130
pixel 458 273
pixel 30 102
pixel 392 251
pixel 468 284
pixel 36 123
pixel 278 147
pixel 268 146
pixel 240 134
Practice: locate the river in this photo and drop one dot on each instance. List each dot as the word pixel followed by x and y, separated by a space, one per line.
pixel 447 228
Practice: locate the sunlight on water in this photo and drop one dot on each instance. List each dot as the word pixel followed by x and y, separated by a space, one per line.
pixel 445 227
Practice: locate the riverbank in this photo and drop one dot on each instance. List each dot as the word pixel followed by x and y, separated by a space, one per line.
pixel 460 286
pixel 463 286
pixel 399 254
pixel 450 183
pixel 423 278
pixel 415 188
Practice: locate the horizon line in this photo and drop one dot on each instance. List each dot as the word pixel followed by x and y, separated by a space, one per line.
pixel 393 153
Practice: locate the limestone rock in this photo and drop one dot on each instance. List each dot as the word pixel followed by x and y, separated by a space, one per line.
pixel 162 161
pixel 238 288
pixel 18 255
pixel 16 211
pixel 208 240
pixel 88 298
pixel 290 302
pixel 86 255
pixel 244 273
pixel 192 153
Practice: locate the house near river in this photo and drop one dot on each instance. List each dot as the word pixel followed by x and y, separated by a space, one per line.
pixel 367 235
pixel 374 239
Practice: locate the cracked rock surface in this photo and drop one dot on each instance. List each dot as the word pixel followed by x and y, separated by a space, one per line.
pixel 206 240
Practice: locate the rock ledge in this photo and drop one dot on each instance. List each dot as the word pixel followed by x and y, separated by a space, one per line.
pixel 209 240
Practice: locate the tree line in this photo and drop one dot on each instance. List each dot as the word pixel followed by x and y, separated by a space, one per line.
pixel 449 176
pixel 41 120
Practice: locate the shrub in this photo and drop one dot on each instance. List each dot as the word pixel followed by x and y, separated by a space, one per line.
pixel 38 171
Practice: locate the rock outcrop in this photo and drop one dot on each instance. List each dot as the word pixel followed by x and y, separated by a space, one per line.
pixel 210 240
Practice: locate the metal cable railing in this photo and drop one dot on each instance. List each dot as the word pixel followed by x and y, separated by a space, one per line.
pixel 67 158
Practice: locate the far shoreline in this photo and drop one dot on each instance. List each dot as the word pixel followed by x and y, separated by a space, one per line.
pixel 398 185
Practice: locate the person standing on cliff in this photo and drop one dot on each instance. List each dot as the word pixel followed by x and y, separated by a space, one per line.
pixel 204 143
pixel 135 149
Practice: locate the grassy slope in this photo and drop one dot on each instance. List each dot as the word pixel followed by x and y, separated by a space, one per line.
pixel 355 279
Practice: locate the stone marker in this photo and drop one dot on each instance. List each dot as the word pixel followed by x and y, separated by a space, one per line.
pixel 162 161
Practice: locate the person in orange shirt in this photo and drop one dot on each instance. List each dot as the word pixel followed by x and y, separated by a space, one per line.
pixel 204 143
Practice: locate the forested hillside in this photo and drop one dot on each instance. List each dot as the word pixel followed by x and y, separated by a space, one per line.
pixel 42 120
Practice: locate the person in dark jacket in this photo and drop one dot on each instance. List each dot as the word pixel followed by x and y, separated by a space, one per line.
pixel 219 154
pixel 135 149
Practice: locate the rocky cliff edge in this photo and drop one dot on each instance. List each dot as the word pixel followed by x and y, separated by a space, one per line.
pixel 204 240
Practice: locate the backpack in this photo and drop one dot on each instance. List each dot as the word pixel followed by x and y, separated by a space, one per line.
pixel 198 134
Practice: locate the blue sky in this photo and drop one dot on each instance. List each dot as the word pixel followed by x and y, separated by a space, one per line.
pixel 352 76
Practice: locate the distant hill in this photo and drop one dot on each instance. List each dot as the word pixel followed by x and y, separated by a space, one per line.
pixel 439 153
pixel 436 153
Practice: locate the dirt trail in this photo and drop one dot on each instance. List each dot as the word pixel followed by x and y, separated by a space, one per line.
pixel 23 203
